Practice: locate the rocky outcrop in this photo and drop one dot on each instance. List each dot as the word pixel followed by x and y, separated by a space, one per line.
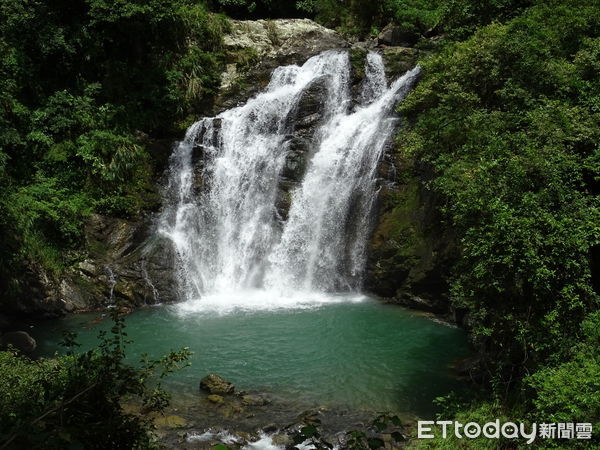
pixel 127 261
pixel 123 262
pixel 411 249
pixel 255 48
pixel 394 35
pixel 398 60
pixel 216 385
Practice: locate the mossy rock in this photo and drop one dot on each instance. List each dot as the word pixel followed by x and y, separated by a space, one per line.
pixel 172 422
pixel 410 249
pixel 216 399
pixel 398 60
pixel 399 244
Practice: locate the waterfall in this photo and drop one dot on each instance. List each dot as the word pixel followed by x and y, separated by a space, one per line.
pixel 112 282
pixel 375 83
pixel 221 198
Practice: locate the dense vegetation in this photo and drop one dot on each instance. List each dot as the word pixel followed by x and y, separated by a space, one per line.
pixel 84 87
pixel 364 17
pixel 506 116
pixel 509 122
pixel 76 401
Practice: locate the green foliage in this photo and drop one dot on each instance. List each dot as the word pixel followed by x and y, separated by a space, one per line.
pixel 457 18
pixel 84 86
pixel 562 392
pixel 254 9
pixel 415 16
pixel 509 122
pixel 75 401
pixel 570 391
pixel 480 413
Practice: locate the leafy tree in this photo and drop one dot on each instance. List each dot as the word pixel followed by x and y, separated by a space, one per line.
pixel 84 86
pixel 508 120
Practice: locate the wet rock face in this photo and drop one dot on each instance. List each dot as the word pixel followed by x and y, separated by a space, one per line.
pixel 410 250
pixel 137 265
pixel 303 123
pixel 125 262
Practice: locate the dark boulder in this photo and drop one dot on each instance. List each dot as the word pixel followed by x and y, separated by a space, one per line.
pixel 20 340
pixel 393 35
pixel 303 123
pixel 311 106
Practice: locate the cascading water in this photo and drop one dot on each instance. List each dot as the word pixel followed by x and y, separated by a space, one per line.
pixel 234 249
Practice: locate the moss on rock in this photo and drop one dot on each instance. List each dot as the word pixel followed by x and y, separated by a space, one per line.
pixel 410 247
pixel 398 60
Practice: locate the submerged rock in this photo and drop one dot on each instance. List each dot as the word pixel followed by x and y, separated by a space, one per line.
pixel 216 399
pixel 254 400
pixel 171 421
pixel 282 440
pixel 214 384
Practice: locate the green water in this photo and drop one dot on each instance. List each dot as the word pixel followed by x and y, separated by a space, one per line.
pixel 360 355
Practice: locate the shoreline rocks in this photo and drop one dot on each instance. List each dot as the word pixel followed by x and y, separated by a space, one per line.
pixel 207 424
pixel 216 385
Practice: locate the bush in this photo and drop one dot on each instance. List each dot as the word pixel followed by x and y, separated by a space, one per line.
pixel 76 400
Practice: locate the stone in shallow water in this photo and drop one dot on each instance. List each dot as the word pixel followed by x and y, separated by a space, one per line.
pixel 170 422
pixel 216 399
pixel 254 400
pixel 270 428
pixel 214 384
pixel 281 440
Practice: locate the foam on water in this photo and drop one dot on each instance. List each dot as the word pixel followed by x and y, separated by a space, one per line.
pixel 261 300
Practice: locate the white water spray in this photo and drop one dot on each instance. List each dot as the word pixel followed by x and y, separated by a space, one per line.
pixel 233 248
